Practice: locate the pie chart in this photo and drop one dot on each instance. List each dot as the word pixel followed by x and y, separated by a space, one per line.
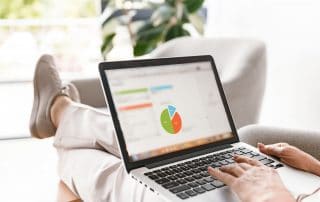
pixel 171 120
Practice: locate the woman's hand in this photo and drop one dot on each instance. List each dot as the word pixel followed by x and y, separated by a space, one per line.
pixel 252 181
pixel 292 156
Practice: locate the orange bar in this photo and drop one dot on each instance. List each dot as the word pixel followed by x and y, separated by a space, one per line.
pixel 137 106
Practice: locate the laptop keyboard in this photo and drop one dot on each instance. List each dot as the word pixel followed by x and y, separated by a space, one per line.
pixel 191 178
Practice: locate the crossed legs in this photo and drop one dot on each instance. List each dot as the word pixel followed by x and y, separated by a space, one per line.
pixel 89 162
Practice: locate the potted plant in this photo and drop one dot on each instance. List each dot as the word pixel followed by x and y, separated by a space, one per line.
pixel 151 24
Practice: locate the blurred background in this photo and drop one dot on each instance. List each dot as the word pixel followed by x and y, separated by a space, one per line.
pixel 81 33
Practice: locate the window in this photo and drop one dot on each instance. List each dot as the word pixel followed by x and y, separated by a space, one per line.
pixel 69 30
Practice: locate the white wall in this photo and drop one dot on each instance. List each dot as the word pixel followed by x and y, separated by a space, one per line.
pixel 291 30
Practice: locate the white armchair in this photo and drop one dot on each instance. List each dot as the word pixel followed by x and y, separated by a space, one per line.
pixel 241 64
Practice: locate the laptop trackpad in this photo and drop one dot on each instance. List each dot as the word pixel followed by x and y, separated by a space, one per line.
pixel 223 194
pixel 299 182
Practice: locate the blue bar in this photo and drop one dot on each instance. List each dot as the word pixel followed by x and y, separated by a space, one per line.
pixel 160 88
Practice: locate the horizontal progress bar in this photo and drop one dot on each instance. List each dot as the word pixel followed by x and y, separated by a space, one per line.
pixel 131 91
pixel 137 106
pixel 160 88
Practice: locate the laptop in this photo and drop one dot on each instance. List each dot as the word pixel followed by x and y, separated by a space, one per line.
pixel 172 121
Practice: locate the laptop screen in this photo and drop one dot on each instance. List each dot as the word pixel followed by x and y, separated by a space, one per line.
pixel 168 108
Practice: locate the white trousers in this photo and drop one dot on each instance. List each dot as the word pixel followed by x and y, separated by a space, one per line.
pixel 89 161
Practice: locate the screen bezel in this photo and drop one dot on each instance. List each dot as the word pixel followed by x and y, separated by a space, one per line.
pixel 144 63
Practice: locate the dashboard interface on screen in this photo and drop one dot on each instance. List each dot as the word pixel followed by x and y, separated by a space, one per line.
pixel 163 109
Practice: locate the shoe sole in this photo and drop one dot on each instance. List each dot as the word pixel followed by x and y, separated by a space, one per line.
pixel 35 109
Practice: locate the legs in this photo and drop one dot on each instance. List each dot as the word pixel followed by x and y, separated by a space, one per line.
pixel 89 161
pixel 83 138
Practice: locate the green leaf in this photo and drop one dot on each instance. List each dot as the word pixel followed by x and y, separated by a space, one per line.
pixel 171 2
pixel 150 32
pixel 193 5
pixel 146 26
pixel 143 47
pixel 175 32
pixel 107 44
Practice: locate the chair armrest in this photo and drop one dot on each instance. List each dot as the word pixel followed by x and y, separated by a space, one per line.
pixel 91 92
pixel 306 140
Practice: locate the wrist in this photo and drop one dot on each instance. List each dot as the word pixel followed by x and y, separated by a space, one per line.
pixel 280 197
pixel 275 196
pixel 315 167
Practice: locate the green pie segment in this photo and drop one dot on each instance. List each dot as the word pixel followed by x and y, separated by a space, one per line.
pixel 171 124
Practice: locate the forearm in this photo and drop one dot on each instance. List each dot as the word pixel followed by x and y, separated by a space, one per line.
pixel 278 197
pixel 315 168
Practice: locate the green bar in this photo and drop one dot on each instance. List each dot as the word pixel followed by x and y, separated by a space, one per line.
pixel 131 91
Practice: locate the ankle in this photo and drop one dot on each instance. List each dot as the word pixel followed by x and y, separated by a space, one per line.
pixel 57 109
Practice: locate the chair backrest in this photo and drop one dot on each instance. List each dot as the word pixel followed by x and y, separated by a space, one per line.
pixel 241 64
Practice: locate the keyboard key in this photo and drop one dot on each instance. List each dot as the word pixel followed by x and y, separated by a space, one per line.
pixel 230 161
pixel 208 187
pixel 217 183
pixel 249 155
pixel 182 196
pixel 153 177
pixel 182 181
pixel 196 170
pixel 172 177
pixel 259 158
pixel 148 174
pixel 266 161
pixel 239 152
pixel 203 168
pixel 278 166
pixel 201 182
pixel 189 179
pixel 192 166
pixel 200 190
pixel 175 170
pixel 162 181
pixel 204 174
pixel 246 150
pixel 188 173
pixel 157 171
pixel 164 169
pixel 168 172
pixel 179 189
pixel 191 193
pixel 224 162
pixel 215 165
pixel 197 176
pixel 170 185
pixel 254 153
pixel 208 179
pixel 161 175
pixel 180 175
pixel 193 184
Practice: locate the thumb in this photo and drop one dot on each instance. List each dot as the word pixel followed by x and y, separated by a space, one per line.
pixel 273 149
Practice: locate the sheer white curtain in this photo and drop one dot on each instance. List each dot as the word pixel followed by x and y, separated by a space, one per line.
pixel 291 30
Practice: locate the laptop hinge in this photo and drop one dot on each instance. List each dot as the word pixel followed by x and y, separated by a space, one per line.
pixel 186 156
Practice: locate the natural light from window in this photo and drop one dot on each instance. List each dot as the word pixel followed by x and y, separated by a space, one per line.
pixel 69 30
